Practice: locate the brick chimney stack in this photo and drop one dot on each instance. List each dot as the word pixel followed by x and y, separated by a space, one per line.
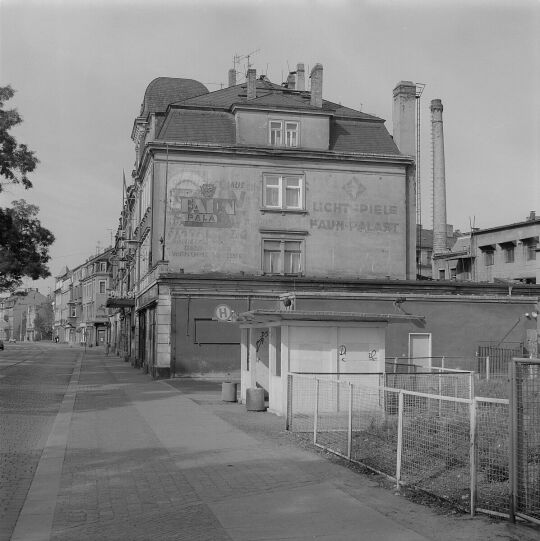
pixel 404 117
pixel 300 77
pixel 316 85
pixel 251 83
pixel 439 178
pixel 232 77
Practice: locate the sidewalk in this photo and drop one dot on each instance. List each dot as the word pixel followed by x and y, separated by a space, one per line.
pixel 135 459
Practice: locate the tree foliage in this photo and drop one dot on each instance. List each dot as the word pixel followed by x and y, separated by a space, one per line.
pixel 16 160
pixel 24 245
pixel 43 323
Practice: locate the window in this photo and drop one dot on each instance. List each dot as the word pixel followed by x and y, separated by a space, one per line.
pixel 282 256
pixel 283 133
pixel 442 274
pixel 72 311
pixel 508 251
pixel 102 286
pixel 530 245
pixel 283 192
pixel 103 266
pixel 489 258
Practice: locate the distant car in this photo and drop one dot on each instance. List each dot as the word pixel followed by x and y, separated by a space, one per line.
pixel 1 344
pixel 12 340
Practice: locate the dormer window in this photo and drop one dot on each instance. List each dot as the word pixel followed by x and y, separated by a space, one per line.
pixel 283 133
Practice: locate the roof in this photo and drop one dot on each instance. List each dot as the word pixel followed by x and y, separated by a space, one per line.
pixel 163 91
pixel 270 95
pixel 199 127
pixel 265 317
pixel 358 136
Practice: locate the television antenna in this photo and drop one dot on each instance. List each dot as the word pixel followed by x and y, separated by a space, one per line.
pixel 238 58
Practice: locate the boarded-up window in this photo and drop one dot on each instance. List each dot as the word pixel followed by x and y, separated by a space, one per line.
pixel 208 331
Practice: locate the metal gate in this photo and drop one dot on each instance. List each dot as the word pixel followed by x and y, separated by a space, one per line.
pixel 525 439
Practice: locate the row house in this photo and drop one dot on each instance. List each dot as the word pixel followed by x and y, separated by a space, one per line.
pixel 241 193
pixel 80 314
pixel 264 196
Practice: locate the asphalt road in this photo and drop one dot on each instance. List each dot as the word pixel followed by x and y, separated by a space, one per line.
pixel 33 380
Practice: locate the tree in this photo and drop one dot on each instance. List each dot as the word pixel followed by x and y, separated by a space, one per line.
pixel 43 323
pixel 24 245
pixel 16 160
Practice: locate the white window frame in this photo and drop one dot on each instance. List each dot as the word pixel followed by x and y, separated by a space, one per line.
pixel 283 133
pixel 104 282
pixel 280 184
pixel 282 240
pixel 72 311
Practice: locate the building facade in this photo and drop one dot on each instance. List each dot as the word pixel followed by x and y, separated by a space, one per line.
pixel 241 192
pixel 80 313
pixel 508 253
pixel 18 313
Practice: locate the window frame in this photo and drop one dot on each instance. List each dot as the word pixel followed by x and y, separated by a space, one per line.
pixel 282 187
pixel 284 132
pixel 282 240
pixel 104 282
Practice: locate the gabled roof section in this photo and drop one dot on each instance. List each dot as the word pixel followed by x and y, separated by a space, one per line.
pixel 163 91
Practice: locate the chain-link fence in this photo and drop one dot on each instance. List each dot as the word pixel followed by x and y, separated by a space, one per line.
pixel 456 447
pixel 525 439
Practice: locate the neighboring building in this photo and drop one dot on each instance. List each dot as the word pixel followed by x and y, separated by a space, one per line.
pixel 424 249
pixel 264 185
pixel 507 253
pixel 92 290
pixel 18 313
pixel 80 313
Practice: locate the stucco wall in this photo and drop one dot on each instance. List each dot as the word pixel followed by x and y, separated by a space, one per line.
pixel 457 325
pixel 353 225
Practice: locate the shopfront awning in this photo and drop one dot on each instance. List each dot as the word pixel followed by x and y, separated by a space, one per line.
pixel 120 302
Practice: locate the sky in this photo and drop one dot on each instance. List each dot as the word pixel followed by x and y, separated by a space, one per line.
pixel 80 70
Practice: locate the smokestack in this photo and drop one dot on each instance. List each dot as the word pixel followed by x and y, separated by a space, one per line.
pixel 232 77
pixel 291 81
pixel 439 180
pixel 300 77
pixel 316 85
pixel 251 84
pixel 404 117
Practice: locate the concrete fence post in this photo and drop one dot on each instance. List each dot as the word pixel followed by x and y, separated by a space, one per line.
pixel 349 426
pixel 472 453
pixel 487 368
pixel 399 439
pixel 316 411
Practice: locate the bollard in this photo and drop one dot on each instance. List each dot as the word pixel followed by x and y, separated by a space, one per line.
pixel 255 400
pixel 228 391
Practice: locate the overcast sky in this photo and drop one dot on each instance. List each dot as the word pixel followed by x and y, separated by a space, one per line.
pixel 80 69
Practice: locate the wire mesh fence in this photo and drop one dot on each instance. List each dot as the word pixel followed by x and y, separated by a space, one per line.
pixel 454 446
pixel 525 438
pixel 492 455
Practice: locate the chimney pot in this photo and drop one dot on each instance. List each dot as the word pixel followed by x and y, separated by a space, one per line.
pixel 300 77
pixel 232 77
pixel 316 85
pixel 251 84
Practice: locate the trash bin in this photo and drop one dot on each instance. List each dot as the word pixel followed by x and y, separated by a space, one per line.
pixel 228 391
pixel 255 400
